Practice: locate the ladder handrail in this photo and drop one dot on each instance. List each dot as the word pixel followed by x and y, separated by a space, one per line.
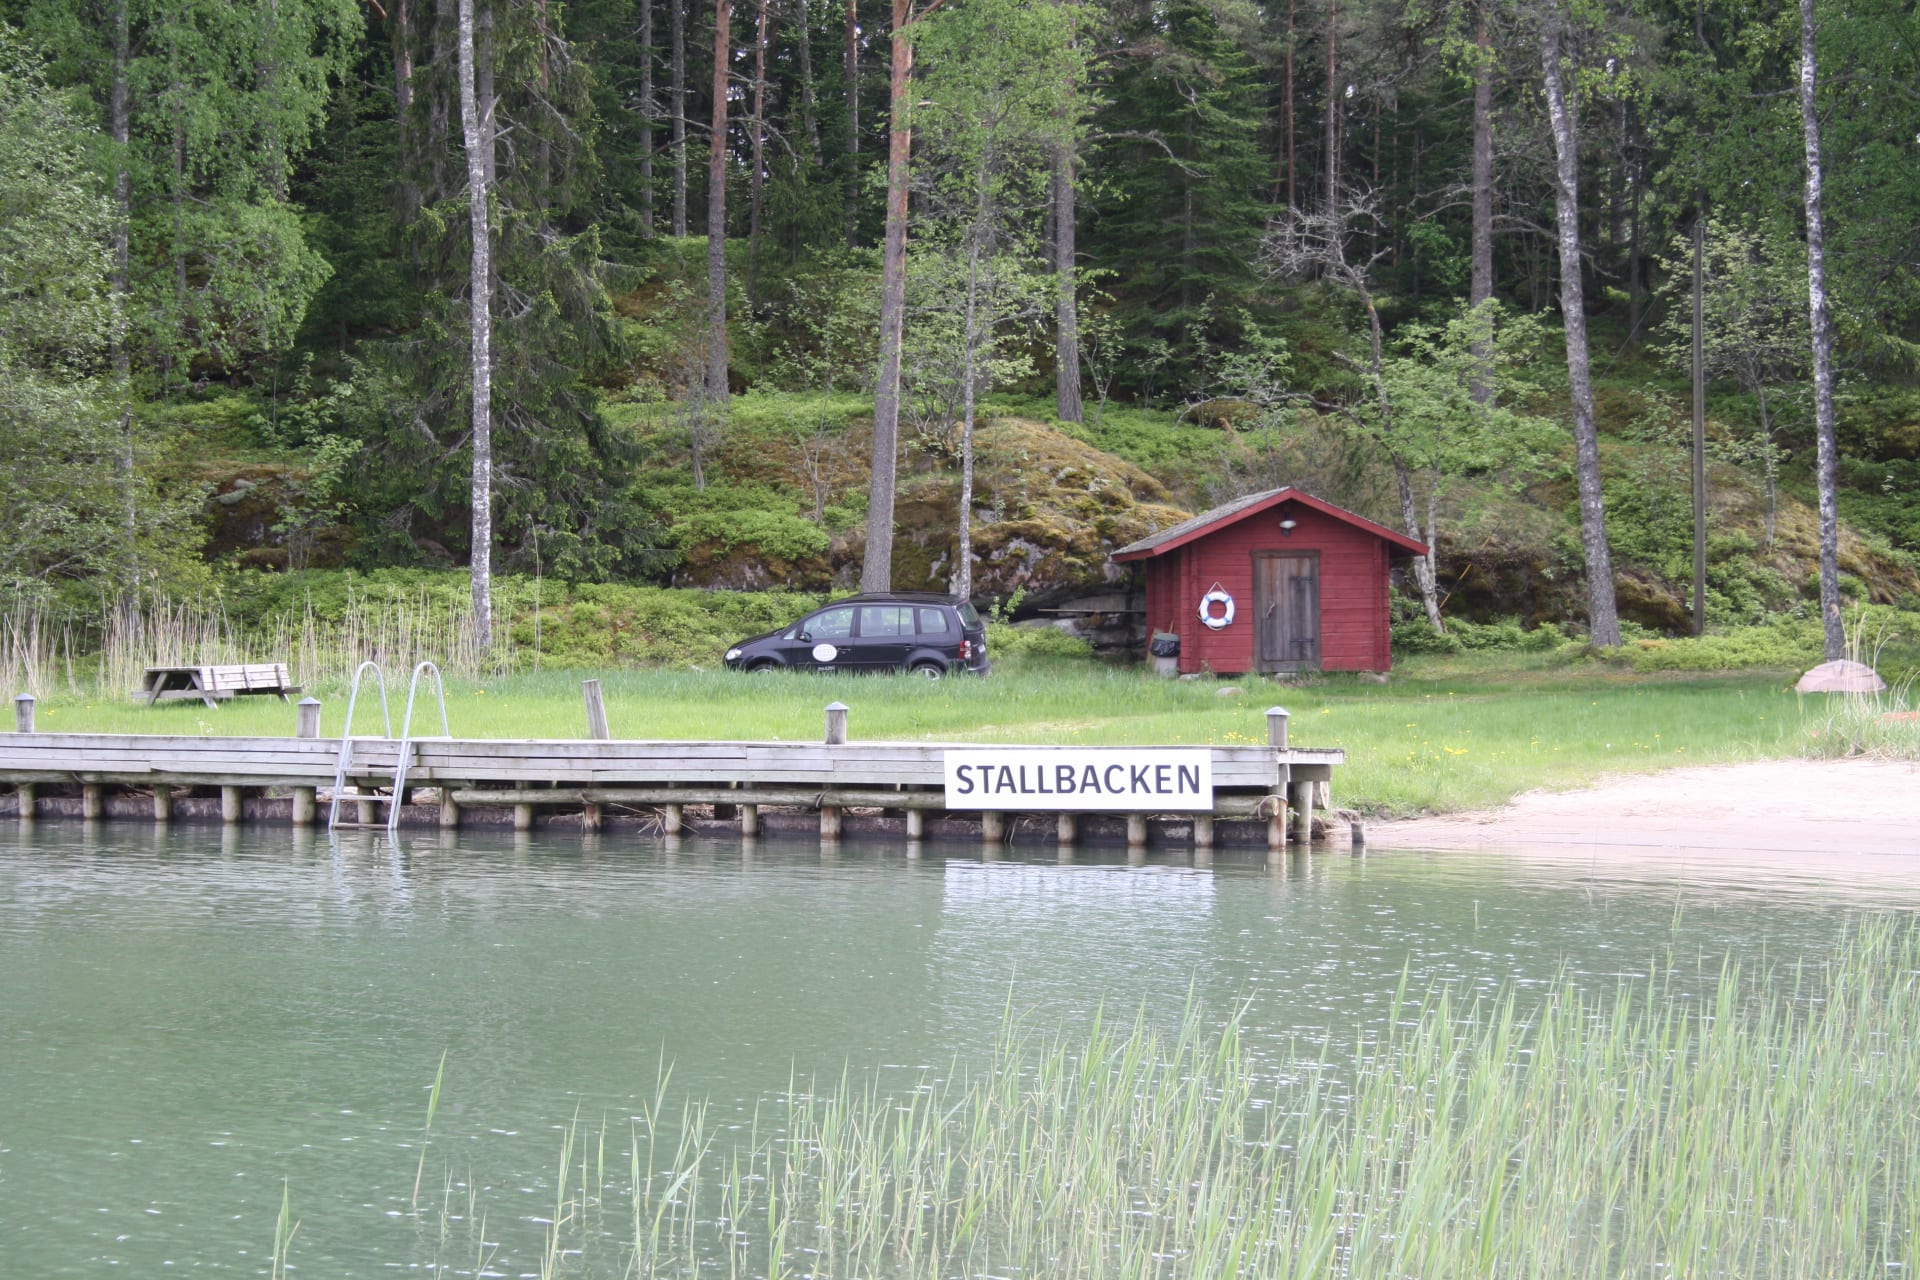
pixel 346 733
pixel 407 738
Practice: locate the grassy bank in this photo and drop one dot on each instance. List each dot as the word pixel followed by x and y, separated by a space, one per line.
pixel 1448 733
pixel 1762 1129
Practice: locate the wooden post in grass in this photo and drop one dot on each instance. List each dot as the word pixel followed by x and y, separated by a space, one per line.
pixel 306 722
pixel 597 730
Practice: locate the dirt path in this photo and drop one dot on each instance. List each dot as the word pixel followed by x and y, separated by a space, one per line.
pixel 1800 808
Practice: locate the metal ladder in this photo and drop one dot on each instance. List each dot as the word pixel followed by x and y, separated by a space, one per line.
pixel 347 740
pixel 407 739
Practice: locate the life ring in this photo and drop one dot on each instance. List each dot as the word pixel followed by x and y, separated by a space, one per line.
pixel 1225 601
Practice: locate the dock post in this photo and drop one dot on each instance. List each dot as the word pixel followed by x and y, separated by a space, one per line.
pixel 163 803
pixel 1301 793
pixel 1277 824
pixel 1277 728
pixel 229 805
pixel 1067 828
pixel 749 819
pixel 836 724
pixel 92 801
pixel 306 722
pixel 597 730
pixel 449 811
pixel 522 813
pixel 23 713
pixel 675 819
pixel 829 822
pixel 1203 831
pixel 993 828
pixel 1136 831
pixel 916 824
pixel 25 795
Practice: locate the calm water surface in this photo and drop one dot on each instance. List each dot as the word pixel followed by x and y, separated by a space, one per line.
pixel 191 1020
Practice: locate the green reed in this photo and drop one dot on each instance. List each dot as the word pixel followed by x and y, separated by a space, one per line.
pixel 1765 1128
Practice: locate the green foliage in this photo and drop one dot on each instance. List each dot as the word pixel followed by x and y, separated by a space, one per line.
pixel 1411 634
pixel 1787 644
pixel 1005 640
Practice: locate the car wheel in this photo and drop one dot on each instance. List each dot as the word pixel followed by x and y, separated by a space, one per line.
pixel 763 668
pixel 929 670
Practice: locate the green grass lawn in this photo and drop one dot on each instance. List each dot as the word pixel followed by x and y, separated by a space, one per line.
pixel 1448 733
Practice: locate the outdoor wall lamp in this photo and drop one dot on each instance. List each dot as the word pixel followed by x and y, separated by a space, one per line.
pixel 1287 527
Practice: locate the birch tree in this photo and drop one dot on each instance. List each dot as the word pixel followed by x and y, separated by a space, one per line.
pixel 476 128
pixel 1820 316
pixel 1603 618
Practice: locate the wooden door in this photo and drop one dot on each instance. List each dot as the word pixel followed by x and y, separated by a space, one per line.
pixel 1286 611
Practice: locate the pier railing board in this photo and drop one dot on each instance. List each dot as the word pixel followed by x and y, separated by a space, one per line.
pixel 906 775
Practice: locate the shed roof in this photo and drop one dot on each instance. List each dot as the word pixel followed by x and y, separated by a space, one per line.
pixel 1253 504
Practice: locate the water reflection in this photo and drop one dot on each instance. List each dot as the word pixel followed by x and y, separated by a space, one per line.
pixel 193 1014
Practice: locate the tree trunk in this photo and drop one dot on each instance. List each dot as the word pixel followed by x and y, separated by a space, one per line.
pixel 647 116
pixel 809 116
pixel 400 37
pixel 756 181
pixel 1480 288
pixel 1828 457
pixel 1423 566
pixel 717 208
pixel 963 570
pixel 1603 620
pixel 476 125
pixel 1333 115
pixel 1069 402
pixel 853 124
pixel 1287 89
pixel 876 574
pixel 677 15
pixel 120 284
pixel 1769 462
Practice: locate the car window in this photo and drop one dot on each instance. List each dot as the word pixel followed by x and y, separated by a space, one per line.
pixel 968 617
pixel 834 624
pixel 883 620
pixel 933 622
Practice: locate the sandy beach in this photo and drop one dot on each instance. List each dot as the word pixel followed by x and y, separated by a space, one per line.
pixel 1794 809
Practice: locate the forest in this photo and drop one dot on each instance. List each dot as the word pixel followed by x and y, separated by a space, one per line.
pixel 961 294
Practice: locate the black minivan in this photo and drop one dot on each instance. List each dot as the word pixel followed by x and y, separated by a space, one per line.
pixel 920 632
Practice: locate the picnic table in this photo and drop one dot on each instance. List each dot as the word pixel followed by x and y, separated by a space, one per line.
pixel 215 682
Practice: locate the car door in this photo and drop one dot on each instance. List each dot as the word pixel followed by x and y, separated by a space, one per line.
pixel 883 637
pixel 826 641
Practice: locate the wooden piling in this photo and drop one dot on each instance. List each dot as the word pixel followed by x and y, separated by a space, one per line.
pixel 449 810
pixel 836 724
pixel 1301 796
pixel 829 822
pixel 23 713
pixel 1067 828
pixel 229 805
pixel 1203 831
pixel 993 828
pixel 1136 831
pixel 25 794
pixel 749 819
pixel 92 801
pixel 916 824
pixel 590 815
pixel 306 725
pixel 674 817
pixel 522 813
pixel 163 803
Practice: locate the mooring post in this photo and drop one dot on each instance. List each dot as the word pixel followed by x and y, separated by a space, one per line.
pixel 1277 823
pixel 163 803
pixel 522 813
pixel 229 805
pixel 23 713
pixel 597 730
pixel 1301 794
pixel 836 724
pixel 1285 792
pixel 1277 728
pixel 306 724
pixel 749 819
pixel 916 824
pixel 92 801
pixel 829 822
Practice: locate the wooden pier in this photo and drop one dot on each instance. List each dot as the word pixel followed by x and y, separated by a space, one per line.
pixel 1261 794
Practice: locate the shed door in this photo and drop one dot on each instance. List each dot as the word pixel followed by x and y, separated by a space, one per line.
pixel 1286 610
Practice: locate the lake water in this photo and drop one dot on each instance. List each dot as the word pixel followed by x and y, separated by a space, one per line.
pixel 194 1023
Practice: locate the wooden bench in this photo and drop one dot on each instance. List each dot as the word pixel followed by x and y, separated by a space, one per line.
pixel 211 684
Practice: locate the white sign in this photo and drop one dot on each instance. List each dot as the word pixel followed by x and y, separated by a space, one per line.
pixel 1081 779
pixel 825 653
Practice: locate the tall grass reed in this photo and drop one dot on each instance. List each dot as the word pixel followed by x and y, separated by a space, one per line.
pixel 1766 1129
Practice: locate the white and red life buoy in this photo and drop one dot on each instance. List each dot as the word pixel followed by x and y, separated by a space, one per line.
pixel 1208 618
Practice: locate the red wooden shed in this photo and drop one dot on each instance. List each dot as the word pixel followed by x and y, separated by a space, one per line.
pixel 1275 581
